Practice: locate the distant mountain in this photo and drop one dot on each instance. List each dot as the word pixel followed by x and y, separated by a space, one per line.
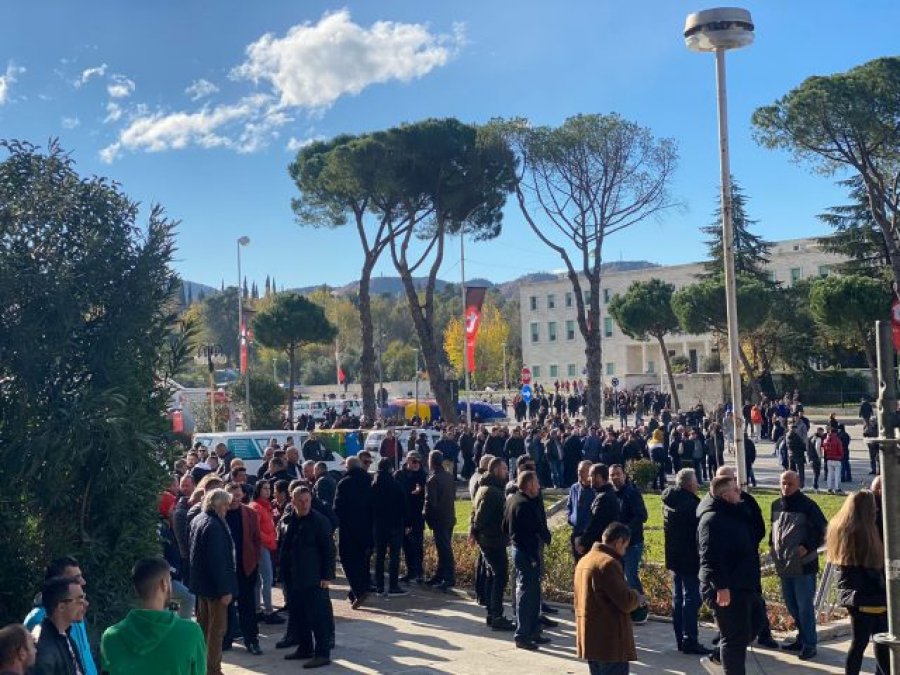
pixel 194 291
pixel 393 285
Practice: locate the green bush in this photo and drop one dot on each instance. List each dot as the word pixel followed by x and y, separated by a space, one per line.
pixel 642 472
pixel 266 400
pixel 89 342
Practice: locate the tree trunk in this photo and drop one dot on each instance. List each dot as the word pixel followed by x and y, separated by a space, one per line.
pixel 752 380
pixel 424 325
pixel 871 358
pixel 665 354
pixel 291 386
pixel 367 358
pixel 593 351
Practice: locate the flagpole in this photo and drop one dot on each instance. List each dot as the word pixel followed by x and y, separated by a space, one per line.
pixel 462 272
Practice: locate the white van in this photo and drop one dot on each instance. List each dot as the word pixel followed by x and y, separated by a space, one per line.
pixel 251 445
pixel 315 408
pixel 374 438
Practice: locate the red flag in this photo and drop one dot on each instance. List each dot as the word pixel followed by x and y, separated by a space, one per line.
pixel 243 349
pixel 895 322
pixel 341 375
pixel 474 300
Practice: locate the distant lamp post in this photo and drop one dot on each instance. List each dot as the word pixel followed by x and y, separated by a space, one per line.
pixel 212 355
pixel 243 338
pixel 379 399
pixel 718 30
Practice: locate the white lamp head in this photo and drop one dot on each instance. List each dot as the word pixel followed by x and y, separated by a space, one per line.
pixel 244 241
pixel 719 28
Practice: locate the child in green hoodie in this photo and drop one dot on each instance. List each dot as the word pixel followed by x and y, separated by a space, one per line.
pixel 153 640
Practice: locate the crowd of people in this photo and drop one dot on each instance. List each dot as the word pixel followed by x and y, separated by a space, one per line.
pixel 228 539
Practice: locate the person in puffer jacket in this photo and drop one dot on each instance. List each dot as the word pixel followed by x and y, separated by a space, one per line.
pixel 833 453
pixel 798 529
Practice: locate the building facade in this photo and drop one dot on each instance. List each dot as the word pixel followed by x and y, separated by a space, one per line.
pixel 552 346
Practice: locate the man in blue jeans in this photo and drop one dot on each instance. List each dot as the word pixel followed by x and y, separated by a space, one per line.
pixel 523 525
pixel 634 515
pixel 683 558
pixel 798 529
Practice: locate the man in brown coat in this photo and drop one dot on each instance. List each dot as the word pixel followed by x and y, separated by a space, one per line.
pixel 603 604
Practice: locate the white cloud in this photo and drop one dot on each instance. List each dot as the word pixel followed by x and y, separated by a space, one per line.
pixel 9 78
pixel 90 73
pixel 315 64
pixel 200 89
pixel 296 144
pixel 120 87
pixel 70 122
pixel 309 69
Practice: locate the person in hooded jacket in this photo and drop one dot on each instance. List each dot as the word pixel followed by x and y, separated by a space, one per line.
pixel 390 522
pixel 729 571
pixel 680 524
pixel 151 639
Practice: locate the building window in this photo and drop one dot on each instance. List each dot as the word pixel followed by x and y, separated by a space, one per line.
pixel 610 368
pixel 605 295
pixel 535 372
pixel 551 301
pixel 570 370
pixel 824 270
pixel 651 367
pixel 569 299
pixel 607 326
pixel 532 301
pixel 551 331
pixel 535 332
pixel 771 276
pixel 570 329
pixel 796 274
pixel 587 297
pixel 554 371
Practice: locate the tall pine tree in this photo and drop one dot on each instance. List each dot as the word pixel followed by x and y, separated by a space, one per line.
pixel 751 252
pixel 246 289
pixel 190 294
pixel 856 234
pixel 268 285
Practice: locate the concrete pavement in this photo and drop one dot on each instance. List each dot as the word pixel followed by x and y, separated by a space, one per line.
pixel 431 632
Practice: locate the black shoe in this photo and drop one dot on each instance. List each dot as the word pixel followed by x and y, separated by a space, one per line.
pixel 768 642
pixel 715 657
pixel 501 623
pixel 317 662
pixel 360 599
pixel 548 622
pixel 286 642
pixel 274 619
pixel 541 640
pixel 379 591
pixel 253 648
pixel 397 592
pixel 807 654
pixel 530 645
pixel 405 579
pixel 694 647
pixel 679 644
pixel 298 656
pixel 795 646
pixel 547 609
pixel 434 581
pixel 445 586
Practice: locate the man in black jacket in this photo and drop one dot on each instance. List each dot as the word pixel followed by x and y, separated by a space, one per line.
pixel 633 513
pixel 353 507
pixel 213 577
pixel 486 529
pixel 798 529
pixel 308 566
pixel 389 518
pixel 65 603
pixel 440 516
pixel 729 571
pixel 680 523
pixel 411 479
pixel 605 509
pixel 523 525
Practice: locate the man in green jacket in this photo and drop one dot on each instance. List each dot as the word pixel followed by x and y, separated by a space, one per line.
pixel 153 640
pixel 486 529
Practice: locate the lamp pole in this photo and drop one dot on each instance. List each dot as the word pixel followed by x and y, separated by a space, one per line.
pixel 505 378
pixel 274 369
pixel 378 398
pixel 243 338
pixel 718 30
pixel 462 273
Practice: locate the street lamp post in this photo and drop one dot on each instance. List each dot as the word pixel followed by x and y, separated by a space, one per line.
pixel 505 378
pixel 275 369
pixel 718 30
pixel 378 399
pixel 243 338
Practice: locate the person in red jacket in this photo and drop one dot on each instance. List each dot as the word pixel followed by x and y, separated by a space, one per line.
pixel 262 506
pixel 833 452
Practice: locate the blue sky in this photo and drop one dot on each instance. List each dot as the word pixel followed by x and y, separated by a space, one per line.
pixel 200 106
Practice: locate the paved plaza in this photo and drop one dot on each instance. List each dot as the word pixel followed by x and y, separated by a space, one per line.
pixel 430 632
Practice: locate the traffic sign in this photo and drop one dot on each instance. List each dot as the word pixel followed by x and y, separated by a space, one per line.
pixel 526 376
pixel 614 382
pixel 526 393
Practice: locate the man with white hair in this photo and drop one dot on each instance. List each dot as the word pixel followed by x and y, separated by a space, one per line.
pixel 213 577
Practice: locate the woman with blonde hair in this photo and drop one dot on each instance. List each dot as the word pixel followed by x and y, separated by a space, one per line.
pixel 854 547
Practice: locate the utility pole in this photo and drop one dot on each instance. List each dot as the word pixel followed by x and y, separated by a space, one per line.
pixel 890 486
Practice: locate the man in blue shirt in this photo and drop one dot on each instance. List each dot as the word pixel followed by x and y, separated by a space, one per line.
pixel 578 504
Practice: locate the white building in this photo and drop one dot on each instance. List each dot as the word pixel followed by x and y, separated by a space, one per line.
pixel 552 345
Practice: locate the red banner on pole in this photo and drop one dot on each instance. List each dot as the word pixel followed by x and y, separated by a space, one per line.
pixel 243 349
pixel 474 301
pixel 895 322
